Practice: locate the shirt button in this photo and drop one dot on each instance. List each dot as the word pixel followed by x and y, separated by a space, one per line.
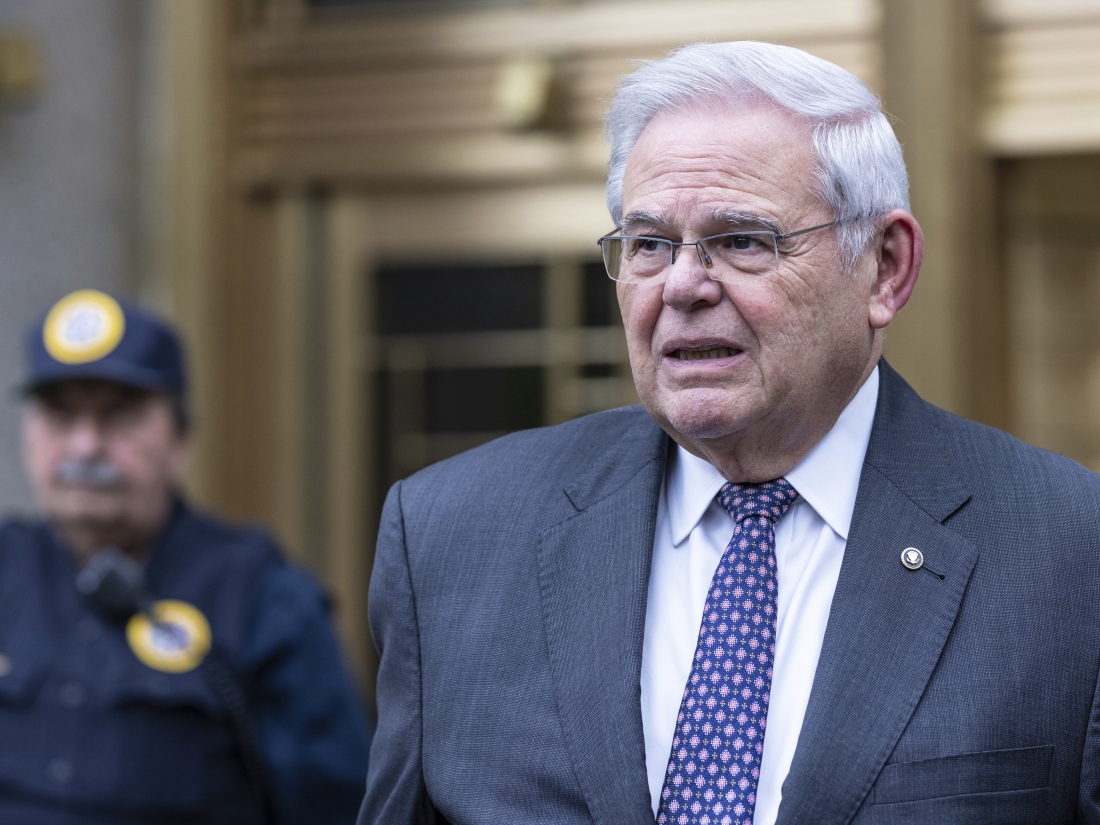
pixel 5 665
pixel 60 771
pixel 72 694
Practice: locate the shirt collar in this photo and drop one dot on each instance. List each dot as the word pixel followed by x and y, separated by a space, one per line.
pixel 827 477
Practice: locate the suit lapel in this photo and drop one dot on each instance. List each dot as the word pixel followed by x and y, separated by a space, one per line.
pixel 594 579
pixel 888 625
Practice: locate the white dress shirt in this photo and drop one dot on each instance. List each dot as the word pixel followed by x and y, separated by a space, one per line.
pixel 693 531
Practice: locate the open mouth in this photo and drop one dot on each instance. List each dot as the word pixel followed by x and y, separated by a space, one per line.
pixel 705 354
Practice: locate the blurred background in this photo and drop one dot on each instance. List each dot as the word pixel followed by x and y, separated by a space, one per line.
pixel 375 220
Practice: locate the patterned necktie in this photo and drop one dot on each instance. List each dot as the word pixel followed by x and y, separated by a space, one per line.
pixel 719 740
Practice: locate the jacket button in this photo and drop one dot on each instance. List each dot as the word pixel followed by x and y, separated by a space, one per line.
pixel 60 771
pixel 5 665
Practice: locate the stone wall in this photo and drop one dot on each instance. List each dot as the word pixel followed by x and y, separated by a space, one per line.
pixel 68 181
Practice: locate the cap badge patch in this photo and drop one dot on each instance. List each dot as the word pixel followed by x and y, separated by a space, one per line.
pixel 83 326
pixel 174 637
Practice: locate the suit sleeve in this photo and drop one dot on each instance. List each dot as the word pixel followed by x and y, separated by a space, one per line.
pixel 311 727
pixel 395 780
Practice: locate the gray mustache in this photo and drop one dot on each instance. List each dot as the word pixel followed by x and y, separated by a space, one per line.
pixel 89 472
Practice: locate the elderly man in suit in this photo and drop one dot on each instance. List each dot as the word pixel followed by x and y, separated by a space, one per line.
pixel 785 589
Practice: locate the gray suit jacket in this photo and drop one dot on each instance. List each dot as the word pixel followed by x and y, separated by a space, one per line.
pixel 508 605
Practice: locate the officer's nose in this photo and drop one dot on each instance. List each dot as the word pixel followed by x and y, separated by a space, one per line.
pixel 85 438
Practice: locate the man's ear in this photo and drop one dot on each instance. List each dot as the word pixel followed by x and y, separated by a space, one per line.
pixel 901 248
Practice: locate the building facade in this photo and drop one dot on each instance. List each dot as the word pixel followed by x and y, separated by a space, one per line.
pixel 377 224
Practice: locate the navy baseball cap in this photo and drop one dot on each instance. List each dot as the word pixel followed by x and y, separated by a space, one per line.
pixel 89 334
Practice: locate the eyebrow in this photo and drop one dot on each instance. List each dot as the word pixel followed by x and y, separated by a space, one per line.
pixel 745 220
pixel 641 219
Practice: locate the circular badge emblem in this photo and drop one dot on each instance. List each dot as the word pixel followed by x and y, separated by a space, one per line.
pixel 174 637
pixel 83 326
pixel 912 558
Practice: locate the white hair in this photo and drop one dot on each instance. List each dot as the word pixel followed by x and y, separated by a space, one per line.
pixel 861 173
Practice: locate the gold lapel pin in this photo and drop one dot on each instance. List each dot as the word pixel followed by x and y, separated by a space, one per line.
pixel 912 558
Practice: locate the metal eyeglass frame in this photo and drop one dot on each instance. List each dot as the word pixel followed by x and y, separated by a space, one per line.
pixel 700 250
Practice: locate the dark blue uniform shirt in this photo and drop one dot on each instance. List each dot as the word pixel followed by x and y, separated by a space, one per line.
pixel 89 734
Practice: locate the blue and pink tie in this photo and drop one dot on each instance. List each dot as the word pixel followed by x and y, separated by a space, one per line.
pixel 714 767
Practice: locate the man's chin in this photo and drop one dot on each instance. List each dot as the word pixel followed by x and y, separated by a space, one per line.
pixel 86 510
pixel 705 414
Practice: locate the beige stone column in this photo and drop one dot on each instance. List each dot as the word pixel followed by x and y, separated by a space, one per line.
pixel 181 175
pixel 948 341
pixel 349 419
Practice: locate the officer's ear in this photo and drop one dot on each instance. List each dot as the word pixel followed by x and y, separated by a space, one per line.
pixel 179 459
pixel 178 456
pixel 181 414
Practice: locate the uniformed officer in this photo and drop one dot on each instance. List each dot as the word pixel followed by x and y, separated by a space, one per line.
pixel 156 664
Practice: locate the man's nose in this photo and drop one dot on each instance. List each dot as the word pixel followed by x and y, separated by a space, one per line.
pixel 86 438
pixel 687 284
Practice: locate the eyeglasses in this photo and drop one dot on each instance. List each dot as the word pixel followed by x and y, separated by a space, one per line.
pixel 639 259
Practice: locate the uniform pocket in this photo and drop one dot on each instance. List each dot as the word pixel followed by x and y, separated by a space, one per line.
pixel 169 747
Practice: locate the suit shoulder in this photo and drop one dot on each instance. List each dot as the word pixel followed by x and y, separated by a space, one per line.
pixel 993 458
pixel 530 471
pixel 546 452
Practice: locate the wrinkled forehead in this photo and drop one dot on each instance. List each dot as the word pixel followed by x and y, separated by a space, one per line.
pixel 769 120
pixel 716 156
